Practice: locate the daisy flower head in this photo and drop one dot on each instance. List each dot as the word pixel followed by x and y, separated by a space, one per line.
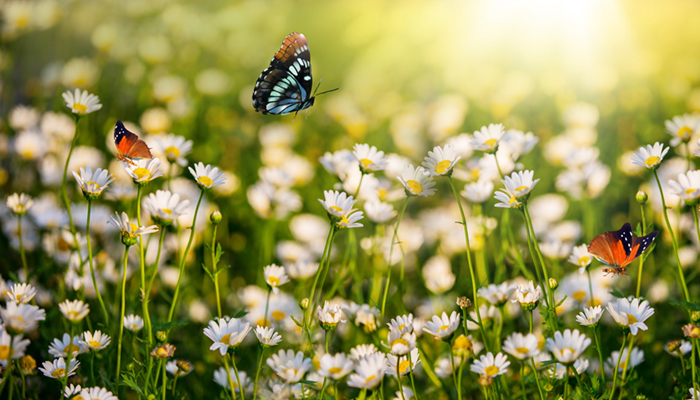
pixel 329 317
pixel 92 183
pixel 442 327
pixel 57 368
pixel 96 393
pixel 275 276
pixel 630 314
pixel 144 170
pixel 133 322
pixel 478 192
pixel 404 364
pixel 490 366
pixel 463 346
pixel 179 367
pixel 497 294
pixel 678 348
pixel 528 296
pixel 569 346
pixel 175 148
pixel 21 293
pixel 402 323
pixel 590 316
pixel 226 379
pixel 335 366
pixel 521 346
pixel 19 203
pixel 441 160
pixel 267 336
pixel 130 231
pixel 362 351
pixel 369 372
pixel 226 333
pixel 487 138
pixel 61 347
pixel 581 257
pixel 416 181
pixel 163 351
pixel 650 157
pixel 379 212
pixel 694 394
pixel 71 390
pixel 20 317
pixel 519 184
pixel 687 187
pixel 691 331
pixel 400 343
pixel 207 177
pixel 682 128
pixel 165 207
pixel 11 347
pixel 337 204
pixel 81 102
pixel 370 158
pixel 95 341
pixel 289 366
pixel 350 220
pixel 636 357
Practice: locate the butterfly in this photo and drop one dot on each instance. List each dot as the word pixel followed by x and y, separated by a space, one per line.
pixel 619 248
pixel 129 146
pixel 285 86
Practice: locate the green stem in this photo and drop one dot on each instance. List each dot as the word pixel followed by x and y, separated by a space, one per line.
pixel 460 374
pixel 410 374
pixel 21 248
pixel 257 373
pixel 596 333
pixel 471 266
pixel 241 385
pixel 64 193
pixel 398 377
pixel 583 387
pixel 319 271
pixel 165 377
pixel 215 272
pixel 391 254
pixel 146 296
pixel 522 380
pixel 92 269
pixel 673 240
pixel 230 381
pixel 182 260
pixel 617 367
pixel 549 291
pixel 537 378
pixel 327 266
pixel 695 381
pixel 644 231
pixel 590 287
pixel 7 376
pixel 529 319
pixel 121 320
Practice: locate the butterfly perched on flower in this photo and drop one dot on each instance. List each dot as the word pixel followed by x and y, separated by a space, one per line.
pixel 129 146
pixel 285 86
pixel 619 248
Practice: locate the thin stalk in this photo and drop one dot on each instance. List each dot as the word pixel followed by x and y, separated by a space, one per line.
pixel 398 377
pixel 327 266
pixel 550 292
pixel 410 374
pixel 469 262
pixel 596 333
pixel 644 231
pixel 617 367
pixel 522 380
pixel 267 306
pixel 257 373
pixel 578 378
pixel 673 240
pixel 391 254
pixel 230 381
pixel 215 272
pixel 240 384
pixel 331 231
pixel 537 378
pixel 121 319
pixel 182 260
pixel 146 296
pixel 529 319
pixel 460 374
pixel 695 352
pixel 64 193
pixel 8 372
pixel 165 377
pixel 21 248
pixel 92 269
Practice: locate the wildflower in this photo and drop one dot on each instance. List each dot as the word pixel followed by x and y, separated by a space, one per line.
pixel 19 203
pixel 581 257
pixel 178 368
pixel 95 341
pixel 57 368
pixel 129 231
pixel 478 192
pixel 521 346
pixel 92 184
pixel 489 314
pixel 443 366
pixel 559 371
pixel 165 207
pixel 96 393
pixel 399 343
pixel 487 138
pixel 27 364
pixel 464 302
pixel 207 177
pixel 329 317
pixel 691 331
pixel 631 315
pixel 221 377
pixel 379 212
pixel 687 187
pixel 463 346
pixel 175 148
pixel 682 128
pixel 226 333
pixel 651 156
pixel 145 170
pixel 163 351
pixel 443 327
pixel 497 294
pixel 406 363
pixel 694 394
pixel 71 390
pixel 369 372
pixel 61 347
pixel 339 163
pixel 267 336
pixel 402 324
pixel 11 347
pixel 369 158
pixel 337 204
pixel 335 366
pixel 519 185
pixel 75 310
pixel 23 118
pixel 21 293
pixel 528 296
pixel 81 103
pixel 350 221
pixel 21 317
pixel 275 276
pixel 133 322
pixel 289 366
pixel 490 366
pixel 362 351
pixel 416 181
pixel 636 357
pixel 301 269
pixel 678 348
pixel 441 161
pixel 568 347
pixel 590 316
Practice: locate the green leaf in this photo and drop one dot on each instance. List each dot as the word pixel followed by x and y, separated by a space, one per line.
pixel 130 382
pixel 241 314
pixel 561 302
pixel 687 305
pixel 296 322
pixel 617 294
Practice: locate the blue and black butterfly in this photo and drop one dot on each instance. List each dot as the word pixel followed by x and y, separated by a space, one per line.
pixel 285 86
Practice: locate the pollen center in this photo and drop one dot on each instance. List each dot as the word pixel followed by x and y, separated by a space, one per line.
pixel 443 166
pixel 583 260
pixel 400 341
pixel 651 161
pixel 491 142
pixel 491 370
pixel 415 187
pixel 442 328
pixel 58 373
pixel 335 370
pixel 631 319
pixel 94 343
pixel 273 280
pixel 71 348
pixel 366 162
pixel 167 211
pixel 278 315
pixel 142 173
pixel 172 152
pixel 5 352
pixel 226 338
pixel 403 366
pixel 80 108
pixel 205 180
pixel 519 188
pixel 370 378
pixel 93 183
pixel 685 132
pixel 579 295
pixel 336 208
pixel 522 350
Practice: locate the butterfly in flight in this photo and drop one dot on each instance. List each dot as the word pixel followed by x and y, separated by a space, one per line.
pixel 129 146
pixel 619 248
pixel 285 86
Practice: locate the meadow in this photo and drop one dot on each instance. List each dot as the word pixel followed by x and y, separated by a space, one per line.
pixel 500 201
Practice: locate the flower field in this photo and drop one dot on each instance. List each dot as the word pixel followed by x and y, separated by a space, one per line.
pixel 415 200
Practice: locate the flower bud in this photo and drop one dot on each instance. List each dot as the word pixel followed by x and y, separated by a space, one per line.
pixel 553 284
pixel 464 302
pixel 161 336
pixel 462 347
pixel 695 317
pixel 485 381
pixel 642 197
pixel 674 345
pixel 691 331
pixel 304 303
pixel 28 364
pixel 215 217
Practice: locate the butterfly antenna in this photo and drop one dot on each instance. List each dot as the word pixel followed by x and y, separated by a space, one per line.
pixel 327 91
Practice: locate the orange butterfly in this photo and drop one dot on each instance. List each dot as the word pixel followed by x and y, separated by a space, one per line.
pixel 619 248
pixel 129 146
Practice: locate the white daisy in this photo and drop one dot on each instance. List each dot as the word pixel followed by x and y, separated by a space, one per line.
pixel 133 322
pixel 329 317
pixel 590 316
pixel 442 327
pixel 497 294
pixel 631 314
pixel 487 138
pixel 400 343
pixel 682 128
pixel 81 103
pixel 11 347
pixel 74 310
pixel 416 181
pixel 92 184
pixel 350 220
pixel 581 257
pixel 687 187
pixel 21 317
pixel 61 347
pixel 179 368
pixel 267 336
pixel 361 351
pixel 207 177
pixel 521 346
pixel 478 192
pixel 71 390
pixel 289 366
pixel 441 161
pixel 226 333
pixel 402 323
pixel 519 184
pixel 130 231
pixel 369 372
pixel 145 170
pixel 528 295
pixel 96 393
pixel 165 206
pixel 21 293
pixel 57 368
pixel 406 363
pixel 95 341
pixel 275 276
pixel 488 365
pixel 379 212
pixel 569 346
pixel 175 148
pixel 337 204
pixel 19 203
pixel 222 378
pixel 335 366
pixel 369 158
pixel 651 156
pixel 301 269
pixel 636 358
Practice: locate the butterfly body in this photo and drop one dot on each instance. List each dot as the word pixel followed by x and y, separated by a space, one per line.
pixel 129 146
pixel 619 248
pixel 285 86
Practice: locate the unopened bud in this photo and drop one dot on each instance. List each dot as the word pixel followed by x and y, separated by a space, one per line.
pixel 215 217
pixel 553 284
pixel 304 303
pixel 462 347
pixel 485 381
pixel 28 364
pixel 161 336
pixel 691 331
pixel 674 345
pixel 642 197
pixel 464 302
pixel 695 317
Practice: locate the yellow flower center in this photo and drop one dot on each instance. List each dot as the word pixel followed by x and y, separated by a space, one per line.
pixel 579 295
pixel 18 297
pixel 225 339
pixel 475 173
pixel 162 352
pixel 142 173
pixel 18 318
pixel 5 352
pixel 403 366
pixel 381 193
pixel 443 166
pixel 80 108
pixel 167 211
pixel 335 208
pixel 71 348
pixel 512 200
pixel 273 281
pixel 623 363
pixel 29 154
pixel 651 161
pixel 631 319
pixel 583 260
pixel 134 227
pixel 414 187
pixel 278 315
pixel 491 370
pixel 58 373
pixel 335 370
pixel 685 132
pixel 94 343
pixel 522 350
pixel 370 378
pixel 72 315
pixel 402 326
pixel 291 370
pixel 519 188
pixel 366 162
pixel 567 348
pixel 344 221
pixel 444 327
pixel 491 142
pixel 205 180
pixel 172 152
pixel 400 341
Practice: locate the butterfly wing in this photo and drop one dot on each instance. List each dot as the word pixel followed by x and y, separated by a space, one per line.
pixel 613 247
pixel 639 246
pixel 129 145
pixel 285 86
